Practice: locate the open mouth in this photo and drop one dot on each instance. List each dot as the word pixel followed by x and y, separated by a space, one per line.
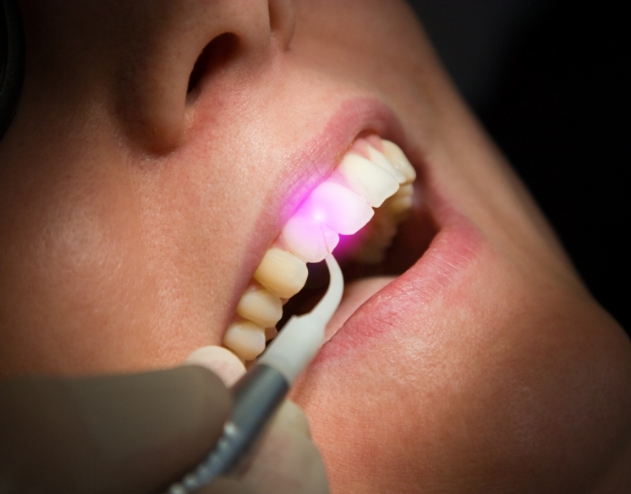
pixel 367 213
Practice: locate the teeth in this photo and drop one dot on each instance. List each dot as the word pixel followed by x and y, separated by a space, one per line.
pixel 246 339
pixel 400 203
pixel 338 207
pixel 367 180
pixel 382 230
pixel 399 160
pixel 309 239
pixel 282 273
pixel 378 158
pixel 260 307
pixel 373 173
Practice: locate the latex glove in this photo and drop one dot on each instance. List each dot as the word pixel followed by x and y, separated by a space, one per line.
pixel 138 433
pixel 287 460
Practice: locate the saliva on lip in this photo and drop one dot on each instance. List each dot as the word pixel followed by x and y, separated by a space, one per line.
pixel 375 173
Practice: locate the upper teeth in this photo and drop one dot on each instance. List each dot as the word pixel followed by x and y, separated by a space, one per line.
pixel 372 173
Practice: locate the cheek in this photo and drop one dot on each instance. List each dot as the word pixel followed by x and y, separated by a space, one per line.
pixel 374 41
pixel 69 252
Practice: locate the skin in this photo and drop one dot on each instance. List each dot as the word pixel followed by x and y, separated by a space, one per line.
pixel 133 215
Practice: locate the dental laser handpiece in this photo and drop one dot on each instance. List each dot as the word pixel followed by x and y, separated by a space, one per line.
pixel 259 393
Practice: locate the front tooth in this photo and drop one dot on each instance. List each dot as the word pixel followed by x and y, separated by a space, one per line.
pixel 282 273
pixel 399 160
pixel 260 306
pixel 309 239
pixel 367 179
pixel 338 207
pixel 378 158
pixel 246 339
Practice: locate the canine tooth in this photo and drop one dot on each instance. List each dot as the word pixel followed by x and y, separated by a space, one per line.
pixel 260 307
pixel 338 207
pixel 398 159
pixel 282 273
pixel 308 239
pixel 378 158
pixel 367 179
pixel 246 339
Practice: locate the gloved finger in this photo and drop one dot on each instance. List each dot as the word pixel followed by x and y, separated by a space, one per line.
pixel 291 417
pixel 229 486
pixel 220 360
pixel 124 434
pixel 288 460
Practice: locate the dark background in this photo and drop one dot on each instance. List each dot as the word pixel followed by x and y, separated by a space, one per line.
pixel 548 80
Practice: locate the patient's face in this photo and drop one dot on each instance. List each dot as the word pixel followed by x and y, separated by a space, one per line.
pixel 137 202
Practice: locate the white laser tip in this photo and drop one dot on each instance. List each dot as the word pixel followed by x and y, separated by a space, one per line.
pixel 299 341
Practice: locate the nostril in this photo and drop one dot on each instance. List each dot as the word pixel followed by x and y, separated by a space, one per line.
pixel 215 55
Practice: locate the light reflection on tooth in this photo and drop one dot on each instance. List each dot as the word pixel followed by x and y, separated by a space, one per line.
pixel 246 339
pixel 399 160
pixel 368 180
pixel 338 207
pixel 282 273
pixel 260 306
pixel 309 239
pixel 378 158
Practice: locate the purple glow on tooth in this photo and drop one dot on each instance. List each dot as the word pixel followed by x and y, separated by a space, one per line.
pixel 308 238
pixel 337 207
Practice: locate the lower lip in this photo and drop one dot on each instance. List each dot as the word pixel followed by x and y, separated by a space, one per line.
pixel 452 250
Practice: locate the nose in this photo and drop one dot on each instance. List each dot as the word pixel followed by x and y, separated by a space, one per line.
pixel 172 47
pixel 147 58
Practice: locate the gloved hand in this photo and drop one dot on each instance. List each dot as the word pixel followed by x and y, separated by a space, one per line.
pixel 138 433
